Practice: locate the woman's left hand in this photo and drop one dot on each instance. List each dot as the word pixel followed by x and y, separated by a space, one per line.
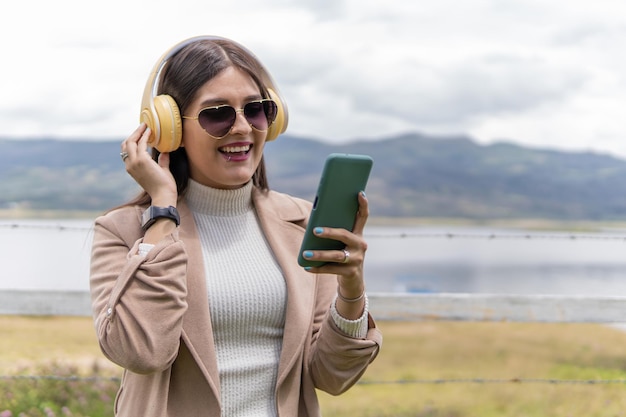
pixel 347 264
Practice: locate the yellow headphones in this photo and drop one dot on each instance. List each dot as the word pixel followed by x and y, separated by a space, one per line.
pixel 161 113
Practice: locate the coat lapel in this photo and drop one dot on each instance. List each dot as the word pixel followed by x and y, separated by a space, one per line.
pixel 197 328
pixel 281 219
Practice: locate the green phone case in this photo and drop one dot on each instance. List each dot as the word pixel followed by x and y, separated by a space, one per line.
pixel 336 201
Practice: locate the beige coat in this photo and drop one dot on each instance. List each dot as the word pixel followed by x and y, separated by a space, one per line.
pixel 152 317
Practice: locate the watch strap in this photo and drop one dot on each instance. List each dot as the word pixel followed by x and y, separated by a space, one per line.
pixel 153 213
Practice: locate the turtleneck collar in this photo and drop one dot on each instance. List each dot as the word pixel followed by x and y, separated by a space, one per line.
pixel 216 202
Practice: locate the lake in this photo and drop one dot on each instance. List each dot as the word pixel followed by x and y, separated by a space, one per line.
pixel 54 255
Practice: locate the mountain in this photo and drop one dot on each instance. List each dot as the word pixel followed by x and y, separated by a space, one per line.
pixel 413 175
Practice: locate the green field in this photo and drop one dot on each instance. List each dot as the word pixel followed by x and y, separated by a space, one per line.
pixel 425 369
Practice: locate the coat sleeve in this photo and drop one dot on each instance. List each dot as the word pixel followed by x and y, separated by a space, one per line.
pixel 338 361
pixel 138 301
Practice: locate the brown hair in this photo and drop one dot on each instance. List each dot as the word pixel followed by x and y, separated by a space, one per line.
pixel 181 78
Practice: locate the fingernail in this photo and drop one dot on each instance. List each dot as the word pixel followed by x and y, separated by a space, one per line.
pixel 307 268
pixel 318 230
pixel 363 193
pixel 307 254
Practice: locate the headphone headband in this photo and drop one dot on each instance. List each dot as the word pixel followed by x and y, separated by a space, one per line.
pixel 162 115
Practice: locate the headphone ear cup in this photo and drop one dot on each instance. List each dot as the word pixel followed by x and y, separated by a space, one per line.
pixel 282 117
pixel 165 123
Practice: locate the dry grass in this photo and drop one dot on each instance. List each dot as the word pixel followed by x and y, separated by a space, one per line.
pixel 500 351
pixel 418 351
pixel 31 341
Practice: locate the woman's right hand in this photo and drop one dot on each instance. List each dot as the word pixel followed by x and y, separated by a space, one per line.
pixel 155 178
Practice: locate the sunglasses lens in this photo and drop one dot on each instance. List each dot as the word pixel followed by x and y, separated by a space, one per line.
pixel 260 114
pixel 217 121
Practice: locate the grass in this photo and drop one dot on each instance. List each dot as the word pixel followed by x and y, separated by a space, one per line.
pixel 46 340
pixel 491 351
pixel 64 347
pixel 477 364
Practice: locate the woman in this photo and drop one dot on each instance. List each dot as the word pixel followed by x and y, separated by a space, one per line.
pixel 195 285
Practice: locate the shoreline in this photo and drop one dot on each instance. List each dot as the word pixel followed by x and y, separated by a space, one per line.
pixel 540 224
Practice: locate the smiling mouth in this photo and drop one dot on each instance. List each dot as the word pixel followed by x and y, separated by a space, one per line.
pixel 235 150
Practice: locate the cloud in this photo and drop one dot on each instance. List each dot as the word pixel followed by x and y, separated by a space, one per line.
pixel 538 73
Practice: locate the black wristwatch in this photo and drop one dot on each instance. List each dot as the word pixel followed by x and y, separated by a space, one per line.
pixel 153 213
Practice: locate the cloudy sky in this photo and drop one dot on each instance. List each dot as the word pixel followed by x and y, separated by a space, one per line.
pixel 541 73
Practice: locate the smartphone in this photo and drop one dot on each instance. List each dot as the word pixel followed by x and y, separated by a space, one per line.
pixel 336 203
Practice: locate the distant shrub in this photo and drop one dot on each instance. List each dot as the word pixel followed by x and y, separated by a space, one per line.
pixel 58 391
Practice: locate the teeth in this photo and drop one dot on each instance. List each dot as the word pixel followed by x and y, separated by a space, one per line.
pixel 236 149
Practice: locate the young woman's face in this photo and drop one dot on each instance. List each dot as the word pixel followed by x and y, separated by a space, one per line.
pixel 231 161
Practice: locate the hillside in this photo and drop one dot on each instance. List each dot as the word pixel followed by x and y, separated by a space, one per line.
pixel 413 175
